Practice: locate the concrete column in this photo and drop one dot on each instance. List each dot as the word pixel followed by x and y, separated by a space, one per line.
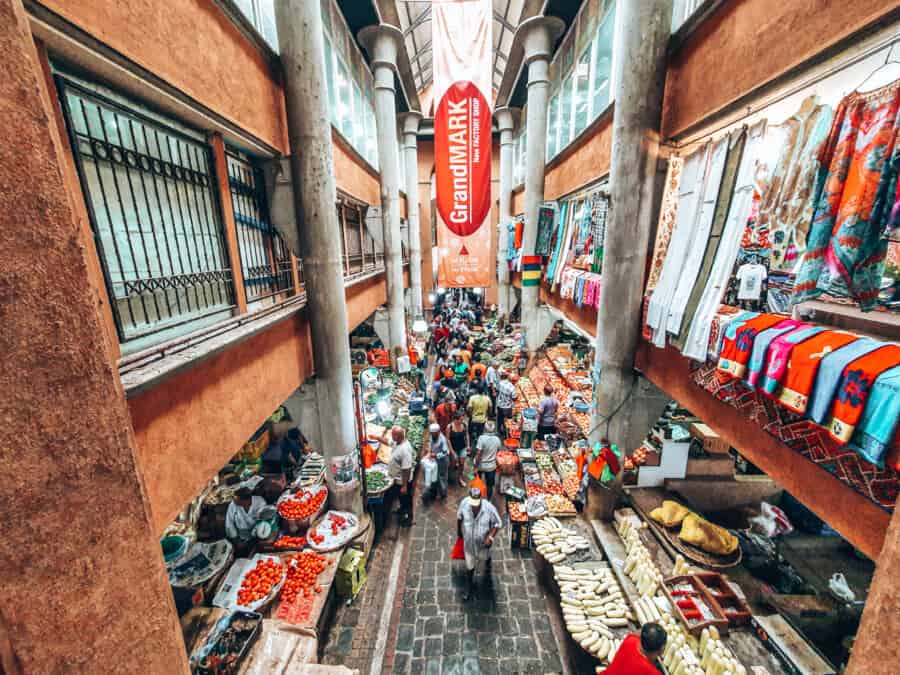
pixel 537 35
pixel 84 586
pixel 640 78
pixel 383 42
pixel 506 122
pixel 411 157
pixel 873 653
pixel 312 171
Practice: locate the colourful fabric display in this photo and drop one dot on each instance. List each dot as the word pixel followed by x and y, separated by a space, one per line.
pixel 689 193
pixel 829 375
pixel 531 270
pixel 722 205
pixel 560 229
pixel 780 354
pixel 740 210
pixel 703 223
pixel 736 350
pixel 853 391
pixel 722 318
pixel 877 430
pixel 728 328
pixel 855 193
pixel 805 360
pixel 666 221
pixel 567 288
pixel 787 208
pixel 761 348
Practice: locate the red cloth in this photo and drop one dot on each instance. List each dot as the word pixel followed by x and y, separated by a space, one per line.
pixel 630 661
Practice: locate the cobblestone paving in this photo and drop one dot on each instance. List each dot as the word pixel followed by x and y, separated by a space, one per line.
pixel 505 629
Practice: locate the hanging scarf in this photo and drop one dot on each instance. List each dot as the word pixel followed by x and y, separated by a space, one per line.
pixel 736 350
pixel 804 364
pixel 853 391
pixel 877 430
pixel 779 355
pixel 829 377
pixel 761 349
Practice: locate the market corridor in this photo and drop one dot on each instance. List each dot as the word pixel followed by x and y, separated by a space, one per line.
pixel 506 629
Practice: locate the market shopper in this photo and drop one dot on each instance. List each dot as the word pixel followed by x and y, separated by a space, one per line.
pixel 400 471
pixel 492 379
pixel 458 435
pixel 638 654
pixel 486 457
pixel 506 396
pixel 479 409
pixel 460 369
pixel 547 410
pixel 445 410
pixel 440 452
pixel 241 518
pixel 477 523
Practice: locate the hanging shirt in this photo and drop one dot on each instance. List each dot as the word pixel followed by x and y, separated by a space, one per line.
pixel 239 522
pixel 630 660
pixel 751 278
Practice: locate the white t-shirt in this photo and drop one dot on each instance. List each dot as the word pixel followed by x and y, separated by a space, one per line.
pixel 488 445
pixel 401 460
pixel 751 277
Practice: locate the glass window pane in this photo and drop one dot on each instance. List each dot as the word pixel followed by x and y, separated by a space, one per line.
pixel 359 125
pixel 603 63
pixel 552 126
pixel 565 113
pixel 344 101
pixel 580 91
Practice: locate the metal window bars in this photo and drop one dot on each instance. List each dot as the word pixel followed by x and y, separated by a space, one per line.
pixel 265 258
pixel 359 250
pixel 150 192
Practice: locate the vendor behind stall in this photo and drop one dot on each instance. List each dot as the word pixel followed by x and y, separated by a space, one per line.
pixel 293 448
pixel 241 518
pixel 638 654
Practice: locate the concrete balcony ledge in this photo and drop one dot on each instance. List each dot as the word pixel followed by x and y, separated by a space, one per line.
pixel 148 368
pixel 145 369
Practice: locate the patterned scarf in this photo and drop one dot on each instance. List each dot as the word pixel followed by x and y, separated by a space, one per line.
pixel 853 391
pixel 780 354
pixel 806 358
pixel 736 351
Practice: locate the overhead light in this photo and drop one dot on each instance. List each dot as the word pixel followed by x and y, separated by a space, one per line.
pixel 431 298
pixel 440 291
pixel 476 291
pixel 419 325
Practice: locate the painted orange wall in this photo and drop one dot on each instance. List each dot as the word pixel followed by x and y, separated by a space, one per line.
pixel 189 426
pixel 194 47
pixel 352 175
pixel 426 167
pixel 582 163
pixel 745 44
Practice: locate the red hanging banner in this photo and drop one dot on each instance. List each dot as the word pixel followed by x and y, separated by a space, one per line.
pixel 461 44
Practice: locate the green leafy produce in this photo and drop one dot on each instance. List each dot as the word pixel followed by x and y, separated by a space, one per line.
pixel 376 481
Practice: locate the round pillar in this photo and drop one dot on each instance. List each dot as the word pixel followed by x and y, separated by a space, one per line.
pixel 410 122
pixel 506 122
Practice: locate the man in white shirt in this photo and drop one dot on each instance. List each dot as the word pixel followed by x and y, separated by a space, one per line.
pixel 477 523
pixel 506 395
pixel 486 457
pixel 400 470
pixel 241 518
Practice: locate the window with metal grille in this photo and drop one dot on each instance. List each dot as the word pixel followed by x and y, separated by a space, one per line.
pixel 265 259
pixel 150 191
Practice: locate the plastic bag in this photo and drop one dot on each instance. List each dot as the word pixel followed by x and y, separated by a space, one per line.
pixel 429 470
pixel 459 551
pixel 771 522
pixel 480 484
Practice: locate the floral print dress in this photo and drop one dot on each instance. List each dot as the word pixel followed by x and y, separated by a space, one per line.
pixel 855 193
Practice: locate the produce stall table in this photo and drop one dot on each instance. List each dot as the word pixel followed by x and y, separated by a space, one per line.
pixel 743 642
pixel 311 613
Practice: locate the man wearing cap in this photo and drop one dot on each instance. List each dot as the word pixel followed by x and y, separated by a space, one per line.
pixel 486 457
pixel 477 524
pixel 440 452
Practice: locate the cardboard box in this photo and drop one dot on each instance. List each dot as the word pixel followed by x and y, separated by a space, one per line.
pixel 712 442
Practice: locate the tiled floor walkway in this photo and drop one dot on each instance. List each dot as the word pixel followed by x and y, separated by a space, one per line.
pixel 506 629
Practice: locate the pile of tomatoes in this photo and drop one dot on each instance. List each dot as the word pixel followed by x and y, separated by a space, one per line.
pixel 305 505
pixel 338 523
pixel 303 570
pixel 259 581
pixel 290 542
